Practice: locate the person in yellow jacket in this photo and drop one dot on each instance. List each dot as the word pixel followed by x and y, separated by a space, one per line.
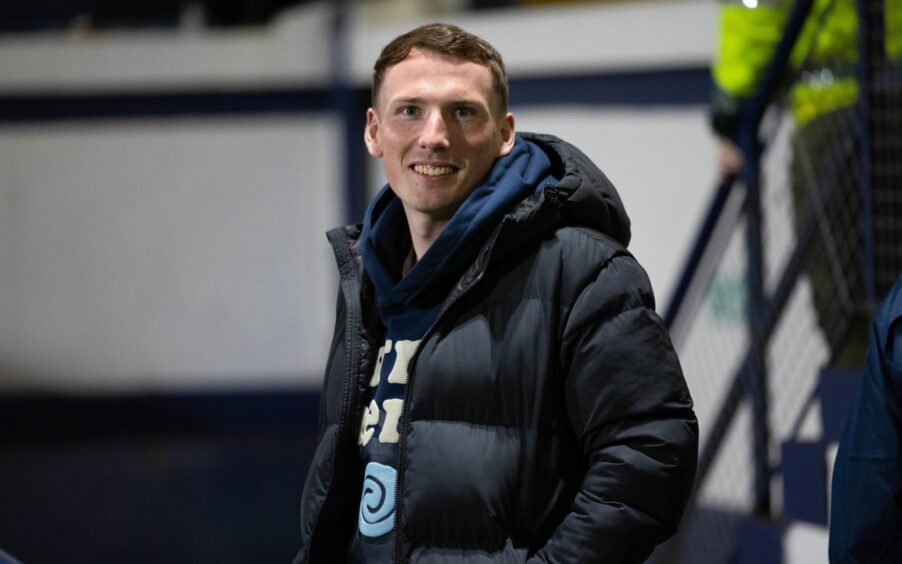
pixel 821 90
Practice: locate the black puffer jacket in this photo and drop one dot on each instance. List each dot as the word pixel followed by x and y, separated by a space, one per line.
pixel 547 417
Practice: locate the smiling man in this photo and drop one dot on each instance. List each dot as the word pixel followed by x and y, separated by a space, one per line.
pixel 439 127
pixel 499 386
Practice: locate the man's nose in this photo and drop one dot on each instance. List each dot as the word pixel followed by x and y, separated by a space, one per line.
pixel 435 132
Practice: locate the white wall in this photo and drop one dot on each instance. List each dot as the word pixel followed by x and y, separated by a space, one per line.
pixel 155 254
pixel 166 254
pixel 295 49
pixel 657 160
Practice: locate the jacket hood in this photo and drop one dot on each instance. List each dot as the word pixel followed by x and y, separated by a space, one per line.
pixel 585 195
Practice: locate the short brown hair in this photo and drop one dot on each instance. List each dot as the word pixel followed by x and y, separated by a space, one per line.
pixel 444 39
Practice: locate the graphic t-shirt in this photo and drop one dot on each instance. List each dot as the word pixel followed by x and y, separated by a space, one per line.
pixel 380 432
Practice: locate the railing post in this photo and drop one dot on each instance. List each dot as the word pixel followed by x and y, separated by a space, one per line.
pixel 870 21
pixel 755 379
pixel 349 109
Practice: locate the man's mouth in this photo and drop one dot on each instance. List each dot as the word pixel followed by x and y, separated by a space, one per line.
pixel 433 170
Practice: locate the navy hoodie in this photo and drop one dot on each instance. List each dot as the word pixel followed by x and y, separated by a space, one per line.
pixel 409 305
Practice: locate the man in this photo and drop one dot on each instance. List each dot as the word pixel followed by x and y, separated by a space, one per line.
pixel 499 387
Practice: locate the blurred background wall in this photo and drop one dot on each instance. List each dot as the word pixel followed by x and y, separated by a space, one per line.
pixel 167 173
pixel 164 193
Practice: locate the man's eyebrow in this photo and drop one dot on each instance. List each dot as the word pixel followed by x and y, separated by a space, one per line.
pixel 467 101
pixel 412 100
pixel 452 102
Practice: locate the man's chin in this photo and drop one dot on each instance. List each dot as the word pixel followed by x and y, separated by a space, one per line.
pixel 432 209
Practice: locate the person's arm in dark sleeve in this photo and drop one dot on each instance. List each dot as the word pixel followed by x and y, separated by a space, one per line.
pixel 632 414
pixel 866 500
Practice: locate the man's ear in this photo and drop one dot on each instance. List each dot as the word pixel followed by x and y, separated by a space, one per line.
pixel 371 134
pixel 508 137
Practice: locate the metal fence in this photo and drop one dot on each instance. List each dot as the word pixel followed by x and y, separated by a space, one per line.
pixel 789 264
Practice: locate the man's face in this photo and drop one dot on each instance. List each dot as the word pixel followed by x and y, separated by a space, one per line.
pixel 437 127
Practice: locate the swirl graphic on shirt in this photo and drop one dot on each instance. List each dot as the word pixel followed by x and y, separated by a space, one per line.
pixel 377 502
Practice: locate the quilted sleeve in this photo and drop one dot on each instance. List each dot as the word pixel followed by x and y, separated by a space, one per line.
pixel 632 414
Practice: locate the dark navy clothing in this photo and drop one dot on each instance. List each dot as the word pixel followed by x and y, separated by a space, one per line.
pixel 866 515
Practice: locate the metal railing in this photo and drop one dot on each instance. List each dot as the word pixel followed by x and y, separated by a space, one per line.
pixel 800 252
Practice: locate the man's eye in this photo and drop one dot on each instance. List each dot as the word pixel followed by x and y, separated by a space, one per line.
pixel 464 111
pixel 407 110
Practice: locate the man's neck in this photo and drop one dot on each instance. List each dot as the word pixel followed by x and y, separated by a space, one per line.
pixel 424 230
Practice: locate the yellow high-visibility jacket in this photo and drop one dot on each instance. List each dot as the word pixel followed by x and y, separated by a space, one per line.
pixel 823 61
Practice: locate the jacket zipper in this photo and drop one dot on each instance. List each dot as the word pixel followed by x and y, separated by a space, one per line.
pixel 353 320
pixel 411 371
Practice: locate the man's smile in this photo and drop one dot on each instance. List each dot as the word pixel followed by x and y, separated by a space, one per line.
pixel 433 169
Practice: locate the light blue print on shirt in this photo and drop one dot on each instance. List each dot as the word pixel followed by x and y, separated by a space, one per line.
pixel 377 503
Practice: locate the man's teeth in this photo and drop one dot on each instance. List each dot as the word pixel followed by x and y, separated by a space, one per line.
pixel 433 170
